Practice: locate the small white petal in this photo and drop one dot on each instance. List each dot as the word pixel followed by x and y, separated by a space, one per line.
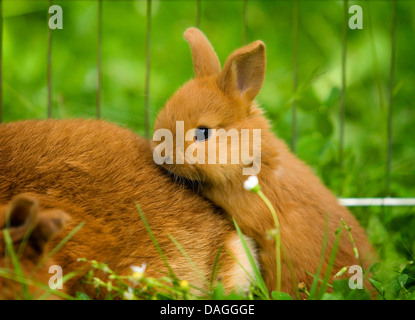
pixel 139 269
pixel 128 295
pixel 251 183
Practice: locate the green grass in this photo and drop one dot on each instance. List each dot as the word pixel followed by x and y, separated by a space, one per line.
pixel 390 281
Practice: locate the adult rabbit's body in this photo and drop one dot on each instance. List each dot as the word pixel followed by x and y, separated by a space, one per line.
pixel 96 172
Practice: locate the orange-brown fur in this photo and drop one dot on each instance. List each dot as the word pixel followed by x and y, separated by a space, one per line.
pixel 96 172
pixel 224 99
pixel 30 229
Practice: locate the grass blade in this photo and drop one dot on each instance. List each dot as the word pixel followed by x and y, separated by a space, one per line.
pixel 330 265
pixel 7 274
pixel 195 267
pixel 314 285
pixel 216 267
pixel 257 273
pixel 15 261
pixel 155 242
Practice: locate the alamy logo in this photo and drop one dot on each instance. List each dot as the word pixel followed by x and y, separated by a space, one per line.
pixel 356 20
pixel 56 20
pixel 209 146
pixel 55 281
pixel 356 280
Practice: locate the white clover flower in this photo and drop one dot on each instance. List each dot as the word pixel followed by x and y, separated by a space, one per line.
pixel 129 295
pixel 138 272
pixel 252 184
pixel 139 269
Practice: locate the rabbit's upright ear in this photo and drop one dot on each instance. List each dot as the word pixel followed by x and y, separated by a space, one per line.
pixel 205 60
pixel 244 71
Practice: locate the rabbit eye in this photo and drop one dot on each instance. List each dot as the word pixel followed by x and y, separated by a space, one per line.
pixel 202 133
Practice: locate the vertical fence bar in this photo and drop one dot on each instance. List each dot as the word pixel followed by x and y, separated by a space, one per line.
pixel 343 87
pixel 390 106
pixel 1 61
pixel 49 68
pixel 198 13
pixel 244 23
pixel 295 77
pixel 99 55
pixel 343 83
pixel 379 84
pixel 147 79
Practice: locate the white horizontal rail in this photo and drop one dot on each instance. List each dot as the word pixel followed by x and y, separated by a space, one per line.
pixel 368 202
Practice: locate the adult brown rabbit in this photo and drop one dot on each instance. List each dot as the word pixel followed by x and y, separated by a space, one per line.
pixel 96 172
pixel 224 100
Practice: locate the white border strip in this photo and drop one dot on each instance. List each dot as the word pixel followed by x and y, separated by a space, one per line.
pixel 367 202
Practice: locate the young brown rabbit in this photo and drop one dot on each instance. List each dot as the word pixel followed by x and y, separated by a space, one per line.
pixel 224 100
pixel 30 230
pixel 96 172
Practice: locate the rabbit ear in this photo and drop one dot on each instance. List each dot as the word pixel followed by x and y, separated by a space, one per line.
pixel 48 224
pixel 244 71
pixel 23 210
pixel 205 60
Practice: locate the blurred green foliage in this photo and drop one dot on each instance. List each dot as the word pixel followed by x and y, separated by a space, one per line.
pixel 74 76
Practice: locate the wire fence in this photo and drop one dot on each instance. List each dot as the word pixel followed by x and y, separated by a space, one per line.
pixel 49 66
pixel 296 4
